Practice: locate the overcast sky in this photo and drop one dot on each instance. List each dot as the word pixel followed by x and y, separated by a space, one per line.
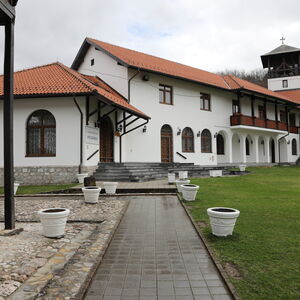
pixel 212 35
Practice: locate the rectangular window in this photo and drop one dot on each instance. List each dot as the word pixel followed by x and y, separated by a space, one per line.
pixel 205 102
pixel 292 120
pixel 92 61
pixel 165 94
pixel 284 83
pixel 282 116
pixel 261 112
pixel 235 107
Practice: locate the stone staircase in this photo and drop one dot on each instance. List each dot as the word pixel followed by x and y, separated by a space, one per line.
pixel 137 172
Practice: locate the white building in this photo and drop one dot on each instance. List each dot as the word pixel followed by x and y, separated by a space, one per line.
pixel 100 110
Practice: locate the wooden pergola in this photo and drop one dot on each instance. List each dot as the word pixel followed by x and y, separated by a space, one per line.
pixel 7 19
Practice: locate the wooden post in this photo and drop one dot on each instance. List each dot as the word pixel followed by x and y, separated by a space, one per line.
pixel 252 110
pixel 265 112
pixel 9 202
pixel 276 114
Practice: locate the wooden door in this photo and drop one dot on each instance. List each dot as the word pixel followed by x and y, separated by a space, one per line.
pixel 106 141
pixel 166 138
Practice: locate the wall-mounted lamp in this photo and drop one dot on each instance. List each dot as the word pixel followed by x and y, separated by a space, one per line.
pixel 215 135
pixel 179 131
pixel 145 128
pixel 145 77
pixel 120 128
pixel 198 134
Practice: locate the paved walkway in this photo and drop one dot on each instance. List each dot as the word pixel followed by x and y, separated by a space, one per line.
pixel 156 254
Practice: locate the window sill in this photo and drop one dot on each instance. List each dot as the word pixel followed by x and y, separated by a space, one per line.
pixel 40 155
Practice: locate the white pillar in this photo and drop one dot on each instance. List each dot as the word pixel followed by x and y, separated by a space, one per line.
pixel 256 149
pixel 243 148
pixel 276 150
pixel 267 141
pixel 229 147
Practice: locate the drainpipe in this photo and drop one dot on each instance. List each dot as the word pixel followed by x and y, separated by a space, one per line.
pixel 124 123
pixel 81 133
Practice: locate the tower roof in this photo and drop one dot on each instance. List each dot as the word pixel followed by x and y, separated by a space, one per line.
pixel 282 49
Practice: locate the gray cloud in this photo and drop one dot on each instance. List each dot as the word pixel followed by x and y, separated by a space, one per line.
pixel 211 35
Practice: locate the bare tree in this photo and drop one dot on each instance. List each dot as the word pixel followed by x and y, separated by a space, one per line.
pixel 257 76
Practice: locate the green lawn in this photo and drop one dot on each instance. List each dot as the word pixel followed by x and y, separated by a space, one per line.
pixel 37 189
pixel 265 246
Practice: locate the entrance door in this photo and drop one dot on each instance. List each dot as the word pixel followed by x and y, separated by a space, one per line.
pixel 166 138
pixel 272 149
pixel 106 141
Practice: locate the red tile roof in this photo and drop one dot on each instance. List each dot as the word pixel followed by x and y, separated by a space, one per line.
pixel 294 95
pixel 238 83
pixel 156 64
pixel 57 79
pixel 160 65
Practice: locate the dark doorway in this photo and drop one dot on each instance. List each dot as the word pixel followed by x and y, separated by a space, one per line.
pixel 106 140
pixel 166 137
pixel 272 150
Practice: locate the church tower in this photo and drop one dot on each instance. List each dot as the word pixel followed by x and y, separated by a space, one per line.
pixel 283 65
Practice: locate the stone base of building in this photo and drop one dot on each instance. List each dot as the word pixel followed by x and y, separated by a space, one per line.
pixel 44 175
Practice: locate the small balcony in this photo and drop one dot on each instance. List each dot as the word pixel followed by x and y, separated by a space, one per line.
pixel 239 119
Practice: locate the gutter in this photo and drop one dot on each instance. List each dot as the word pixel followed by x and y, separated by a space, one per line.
pixel 81 134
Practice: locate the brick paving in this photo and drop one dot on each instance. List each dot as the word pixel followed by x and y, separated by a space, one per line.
pixel 156 254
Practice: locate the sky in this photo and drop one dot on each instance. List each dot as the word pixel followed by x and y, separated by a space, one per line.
pixel 211 35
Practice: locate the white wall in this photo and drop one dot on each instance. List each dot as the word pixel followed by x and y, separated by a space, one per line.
pixel 185 112
pixel 275 84
pixel 67 131
pixel 107 69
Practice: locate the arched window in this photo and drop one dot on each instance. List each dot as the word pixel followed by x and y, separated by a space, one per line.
pixel 206 141
pixel 247 146
pixel 294 147
pixel 41 134
pixel 220 145
pixel 187 140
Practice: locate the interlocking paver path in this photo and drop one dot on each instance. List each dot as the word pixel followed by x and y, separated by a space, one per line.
pixel 156 254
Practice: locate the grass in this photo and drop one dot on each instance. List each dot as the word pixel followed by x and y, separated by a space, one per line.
pixel 37 189
pixel 265 246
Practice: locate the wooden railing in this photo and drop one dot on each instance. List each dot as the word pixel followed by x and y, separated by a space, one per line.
pixel 264 123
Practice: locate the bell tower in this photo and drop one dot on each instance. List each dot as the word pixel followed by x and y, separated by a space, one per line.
pixel 283 65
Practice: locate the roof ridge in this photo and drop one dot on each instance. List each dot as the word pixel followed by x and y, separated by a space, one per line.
pixel 77 76
pixel 36 67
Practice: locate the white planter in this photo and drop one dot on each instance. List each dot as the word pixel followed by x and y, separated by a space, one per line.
pixel 53 221
pixel 91 194
pixel 215 173
pixel 179 183
pixel 16 185
pixel 110 187
pixel 222 220
pixel 81 177
pixel 242 168
pixel 189 191
pixel 171 177
pixel 183 174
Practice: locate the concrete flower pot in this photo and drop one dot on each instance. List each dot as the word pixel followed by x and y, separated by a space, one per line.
pixel 222 220
pixel 171 178
pixel 189 191
pixel 110 187
pixel 16 185
pixel 53 221
pixel 81 177
pixel 242 168
pixel 215 173
pixel 179 183
pixel 91 194
pixel 183 175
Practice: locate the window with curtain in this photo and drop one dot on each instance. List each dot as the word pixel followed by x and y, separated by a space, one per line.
pixel 206 141
pixel 294 147
pixel 41 134
pixel 187 140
